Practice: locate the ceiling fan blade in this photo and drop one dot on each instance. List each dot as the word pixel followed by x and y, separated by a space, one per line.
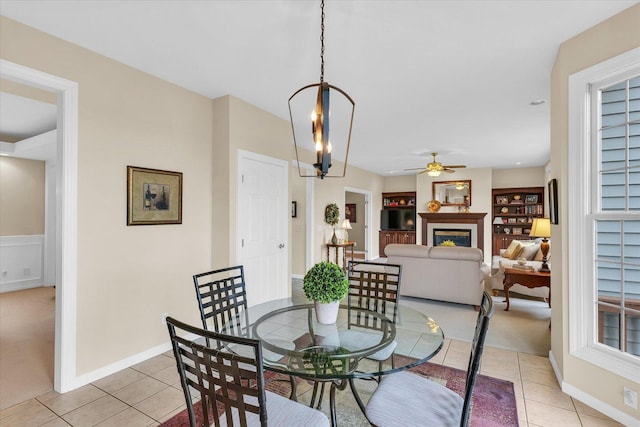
pixel 455 166
pixel 423 171
pixel 448 170
pixel 414 169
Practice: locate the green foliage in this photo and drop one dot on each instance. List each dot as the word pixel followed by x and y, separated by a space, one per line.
pixel 332 214
pixel 325 282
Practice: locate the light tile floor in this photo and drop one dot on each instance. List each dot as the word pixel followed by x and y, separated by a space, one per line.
pixel 149 393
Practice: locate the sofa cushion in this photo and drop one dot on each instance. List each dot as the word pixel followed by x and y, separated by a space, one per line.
pixel 515 247
pixel 529 252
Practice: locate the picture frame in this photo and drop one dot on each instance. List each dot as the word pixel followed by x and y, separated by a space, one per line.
pixel 522 220
pixel 553 201
pixel 531 198
pixel 502 200
pixel 294 209
pixel 516 231
pixel 350 212
pixel 511 221
pixel 154 196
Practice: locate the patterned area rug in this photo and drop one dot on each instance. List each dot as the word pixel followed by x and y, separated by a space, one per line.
pixel 493 403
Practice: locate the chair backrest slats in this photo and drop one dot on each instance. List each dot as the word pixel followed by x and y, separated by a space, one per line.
pixel 222 299
pixel 230 378
pixel 482 325
pixel 373 286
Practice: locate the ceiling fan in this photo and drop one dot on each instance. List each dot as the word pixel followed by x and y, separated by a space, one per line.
pixel 435 168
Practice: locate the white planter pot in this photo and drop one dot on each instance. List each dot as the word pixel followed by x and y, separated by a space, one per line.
pixel 327 313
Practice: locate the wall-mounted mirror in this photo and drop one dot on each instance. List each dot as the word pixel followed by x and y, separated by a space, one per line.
pixel 452 193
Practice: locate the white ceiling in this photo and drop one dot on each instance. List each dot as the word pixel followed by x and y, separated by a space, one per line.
pixel 455 77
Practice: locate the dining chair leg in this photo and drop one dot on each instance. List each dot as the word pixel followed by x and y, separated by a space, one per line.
pixel 356 396
pixel 294 388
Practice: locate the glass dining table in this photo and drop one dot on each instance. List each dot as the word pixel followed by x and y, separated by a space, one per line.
pixel 294 343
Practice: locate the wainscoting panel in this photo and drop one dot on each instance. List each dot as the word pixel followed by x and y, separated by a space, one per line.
pixel 21 262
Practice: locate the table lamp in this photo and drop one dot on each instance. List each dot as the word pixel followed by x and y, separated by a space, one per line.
pixel 346 225
pixel 541 227
pixel 497 220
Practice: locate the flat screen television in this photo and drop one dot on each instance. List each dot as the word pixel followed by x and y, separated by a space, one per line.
pixel 398 219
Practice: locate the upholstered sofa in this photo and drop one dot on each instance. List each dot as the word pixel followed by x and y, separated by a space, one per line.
pixel 452 274
pixel 529 250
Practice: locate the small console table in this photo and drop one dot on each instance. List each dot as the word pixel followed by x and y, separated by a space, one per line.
pixel 530 279
pixel 337 246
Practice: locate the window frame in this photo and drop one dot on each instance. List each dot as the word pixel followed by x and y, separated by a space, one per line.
pixel 583 198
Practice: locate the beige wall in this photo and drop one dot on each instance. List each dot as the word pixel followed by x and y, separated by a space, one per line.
pixel 606 40
pixel 298 224
pixel 518 177
pixel 21 196
pixel 127 276
pixel 400 183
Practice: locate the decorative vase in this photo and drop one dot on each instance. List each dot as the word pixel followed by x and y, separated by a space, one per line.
pixel 334 238
pixel 327 313
pixel 433 206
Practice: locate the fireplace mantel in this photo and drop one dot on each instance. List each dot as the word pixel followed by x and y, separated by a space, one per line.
pixel 476 218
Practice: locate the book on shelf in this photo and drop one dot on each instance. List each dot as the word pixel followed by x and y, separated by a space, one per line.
pixel 523 267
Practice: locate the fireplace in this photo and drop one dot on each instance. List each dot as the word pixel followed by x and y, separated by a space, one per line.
pixel 455 221
pixel 460 237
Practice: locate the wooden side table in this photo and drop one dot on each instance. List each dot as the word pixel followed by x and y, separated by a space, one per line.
pixel 337 246
pixel 530 279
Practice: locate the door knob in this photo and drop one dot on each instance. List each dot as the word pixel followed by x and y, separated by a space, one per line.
pixel 281 245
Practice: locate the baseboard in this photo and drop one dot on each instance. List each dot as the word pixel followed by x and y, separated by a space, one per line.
pixel 125 363
pixel 598 405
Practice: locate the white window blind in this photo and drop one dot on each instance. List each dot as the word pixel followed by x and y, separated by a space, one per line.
pixel 617 259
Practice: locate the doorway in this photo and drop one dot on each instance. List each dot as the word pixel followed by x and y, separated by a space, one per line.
pixel 65 214
pixel 357 208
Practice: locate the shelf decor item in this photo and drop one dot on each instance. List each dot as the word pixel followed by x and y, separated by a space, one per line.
pixel 434 206
pixel 325 284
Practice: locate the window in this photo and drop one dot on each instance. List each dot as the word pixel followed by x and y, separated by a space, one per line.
pixel 617 257
pixel 604 217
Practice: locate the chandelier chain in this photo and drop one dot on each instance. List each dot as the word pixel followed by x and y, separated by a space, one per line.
pixel 322 41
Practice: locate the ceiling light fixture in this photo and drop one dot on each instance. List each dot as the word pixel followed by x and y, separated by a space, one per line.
pixel 320 118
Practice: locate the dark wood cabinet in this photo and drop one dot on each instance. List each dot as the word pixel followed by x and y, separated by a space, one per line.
pixel 513 212
pixel 386 237
pixel 405 201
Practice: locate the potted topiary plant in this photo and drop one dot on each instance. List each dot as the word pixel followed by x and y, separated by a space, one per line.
pixel 331 217
pixel 326 284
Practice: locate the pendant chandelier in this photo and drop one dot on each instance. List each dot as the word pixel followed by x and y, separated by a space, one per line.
pixel 341 107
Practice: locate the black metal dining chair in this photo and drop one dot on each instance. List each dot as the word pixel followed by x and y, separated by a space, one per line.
pixel 411 400
pixel 222 300
pixel 373 286
pixel 228 388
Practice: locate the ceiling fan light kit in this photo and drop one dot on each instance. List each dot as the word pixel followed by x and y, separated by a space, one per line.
pixel 320 119
pixel 435 168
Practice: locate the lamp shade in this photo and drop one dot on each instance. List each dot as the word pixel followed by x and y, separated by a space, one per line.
pixel 434 173
pixel 541 227
pixel 346 224
pixel 498 220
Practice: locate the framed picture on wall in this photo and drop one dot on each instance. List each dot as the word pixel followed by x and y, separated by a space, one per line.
pixel 154 196
pixel 350 212
pixel 553 201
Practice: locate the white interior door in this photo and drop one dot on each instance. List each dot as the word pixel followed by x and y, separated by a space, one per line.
pixel 263 226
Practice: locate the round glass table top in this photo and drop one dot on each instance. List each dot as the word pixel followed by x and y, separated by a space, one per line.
pixel 361 343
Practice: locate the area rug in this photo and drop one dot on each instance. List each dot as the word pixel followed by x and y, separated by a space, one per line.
pixel 493 402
